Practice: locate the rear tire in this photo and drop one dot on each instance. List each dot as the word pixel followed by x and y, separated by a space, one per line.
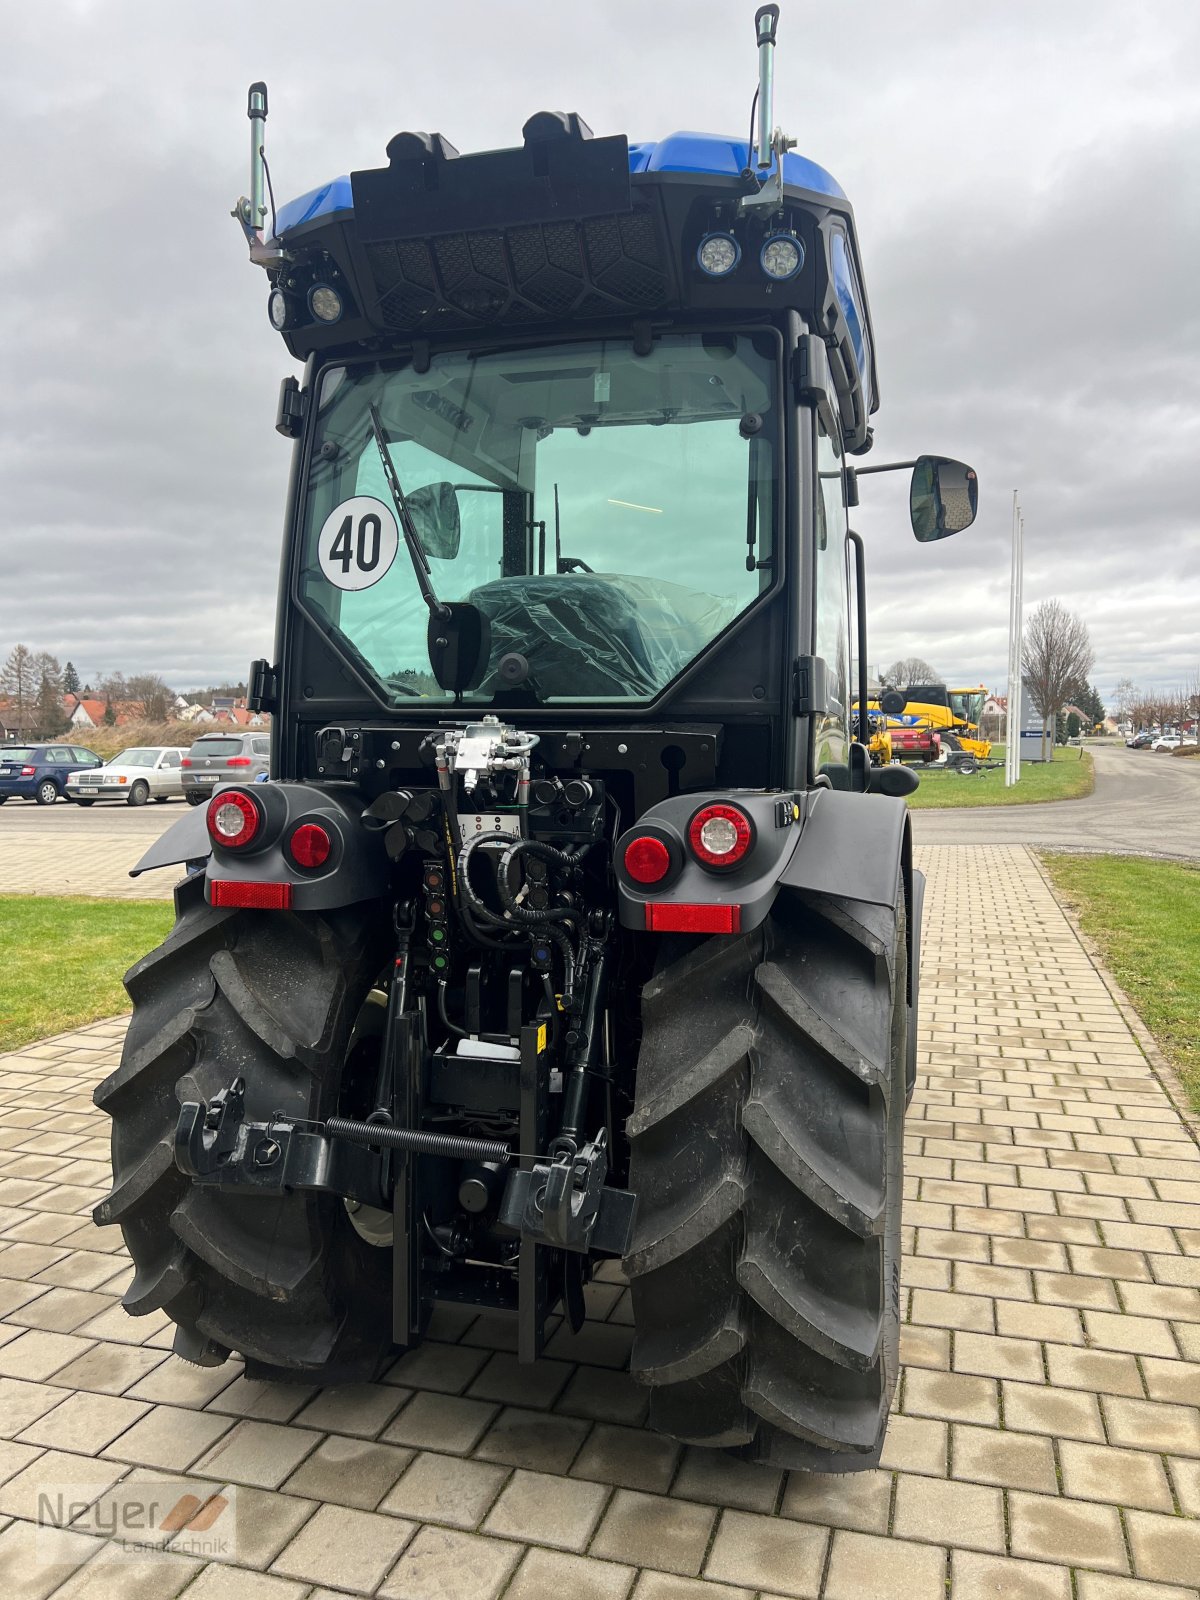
pixel 47 793
pixel 195 799
pixel 766 1155
pixel 282 1278
pixel 85 802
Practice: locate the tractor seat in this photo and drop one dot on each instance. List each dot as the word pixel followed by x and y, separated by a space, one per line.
pixel 597 635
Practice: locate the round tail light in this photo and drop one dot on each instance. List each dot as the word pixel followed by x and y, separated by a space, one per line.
pixel 233 819
pixel 647 860
pixel 310 845
pixel 720 835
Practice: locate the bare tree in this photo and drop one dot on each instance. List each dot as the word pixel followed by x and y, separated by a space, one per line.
pixel 19 680
pixel 154 694
pixel 907 671
pixel 1128 696
pixel 1057 654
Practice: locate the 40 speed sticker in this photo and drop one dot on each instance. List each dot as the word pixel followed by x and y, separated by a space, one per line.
pixel 358 542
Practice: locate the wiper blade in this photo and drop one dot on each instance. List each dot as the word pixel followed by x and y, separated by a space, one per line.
pixel 416 551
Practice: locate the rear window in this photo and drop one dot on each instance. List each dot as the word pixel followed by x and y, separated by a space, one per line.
pixel 13 753
pixel 217 747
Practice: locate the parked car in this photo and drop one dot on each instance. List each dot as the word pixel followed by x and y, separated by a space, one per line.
pixel 40 771
pixel 147 772
pixel 224 758
pixel 1140 741
pixel 1167 741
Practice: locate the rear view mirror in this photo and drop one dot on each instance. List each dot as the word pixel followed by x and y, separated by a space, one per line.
pixel 893 703
pixel 434 513
pixel 943 498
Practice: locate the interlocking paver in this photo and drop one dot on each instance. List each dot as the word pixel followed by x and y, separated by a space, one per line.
pixel 982 1577
pixel 885 1569
pixel 779 1556
pixel 1051 1344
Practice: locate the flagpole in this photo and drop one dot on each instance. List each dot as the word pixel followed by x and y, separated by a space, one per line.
pixel 1012 747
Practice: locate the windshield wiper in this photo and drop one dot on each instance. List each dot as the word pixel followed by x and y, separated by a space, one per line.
pixel 416 551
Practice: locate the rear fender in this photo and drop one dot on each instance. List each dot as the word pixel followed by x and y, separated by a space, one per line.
pixel 822 842
pixel 357 868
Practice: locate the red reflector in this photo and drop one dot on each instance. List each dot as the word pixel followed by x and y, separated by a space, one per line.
pixel 238 761
pixel 186 762
pixel 310 845
pixel 251 896
pixel 676 918
pixel 233 819
pixel 647 860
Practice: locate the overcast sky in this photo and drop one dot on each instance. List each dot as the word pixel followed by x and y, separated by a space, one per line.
pixel 1027 187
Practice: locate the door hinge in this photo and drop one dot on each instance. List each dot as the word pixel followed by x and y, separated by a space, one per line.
pixel 809 691
pixel 262 687
pixel 293 403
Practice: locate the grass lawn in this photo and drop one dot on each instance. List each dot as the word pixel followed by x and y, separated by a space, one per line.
pixel 1067 777
pixel 64 959
pixel 1145 918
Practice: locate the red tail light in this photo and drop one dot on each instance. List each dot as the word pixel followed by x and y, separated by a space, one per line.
pixel 186 762
pixel 251 896
pixel 677 918
pixel 28 772
pixel 238 761
pixel 647 860
pixel 233 819
pixel 720 835
pixel 310 845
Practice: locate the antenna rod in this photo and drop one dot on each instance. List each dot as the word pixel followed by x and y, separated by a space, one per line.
pixel 766 20
pixel 256 110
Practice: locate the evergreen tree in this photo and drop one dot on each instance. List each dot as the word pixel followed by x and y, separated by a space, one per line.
pixel 48 710
pixel 70 679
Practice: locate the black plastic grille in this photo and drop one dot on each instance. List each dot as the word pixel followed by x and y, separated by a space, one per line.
pixel 548 271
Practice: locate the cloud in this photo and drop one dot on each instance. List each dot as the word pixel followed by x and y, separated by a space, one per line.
pixel 1023 181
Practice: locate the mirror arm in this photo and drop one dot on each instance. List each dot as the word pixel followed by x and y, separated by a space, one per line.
pixel 884 466
pixel 860 583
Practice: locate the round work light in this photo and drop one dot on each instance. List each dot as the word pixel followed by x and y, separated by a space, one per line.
pixel 781 256
pixel 718 254
pixel 325 303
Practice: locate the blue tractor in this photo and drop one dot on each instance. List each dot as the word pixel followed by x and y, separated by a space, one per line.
pixel 575 924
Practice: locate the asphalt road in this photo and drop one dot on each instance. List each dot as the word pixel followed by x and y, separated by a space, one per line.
pixel 1143 804
pixel 65 820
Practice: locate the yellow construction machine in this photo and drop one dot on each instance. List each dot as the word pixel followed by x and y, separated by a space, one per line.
pixel 953 713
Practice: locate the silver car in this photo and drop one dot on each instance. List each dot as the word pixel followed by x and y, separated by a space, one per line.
pixel 217 758
pixel 147 772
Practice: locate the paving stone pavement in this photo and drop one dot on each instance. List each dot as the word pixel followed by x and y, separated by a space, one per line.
pixel 62 850
pixel 1045 1443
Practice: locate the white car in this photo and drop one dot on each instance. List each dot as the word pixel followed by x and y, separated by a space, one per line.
pixel 149 772
pixel 1167 741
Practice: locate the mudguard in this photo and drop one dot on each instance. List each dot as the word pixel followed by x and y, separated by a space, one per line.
pixel 858 846
pixel 821 842
pixel 357 868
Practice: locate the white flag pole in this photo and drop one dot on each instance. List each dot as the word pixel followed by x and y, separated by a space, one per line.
pixel 1012 751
